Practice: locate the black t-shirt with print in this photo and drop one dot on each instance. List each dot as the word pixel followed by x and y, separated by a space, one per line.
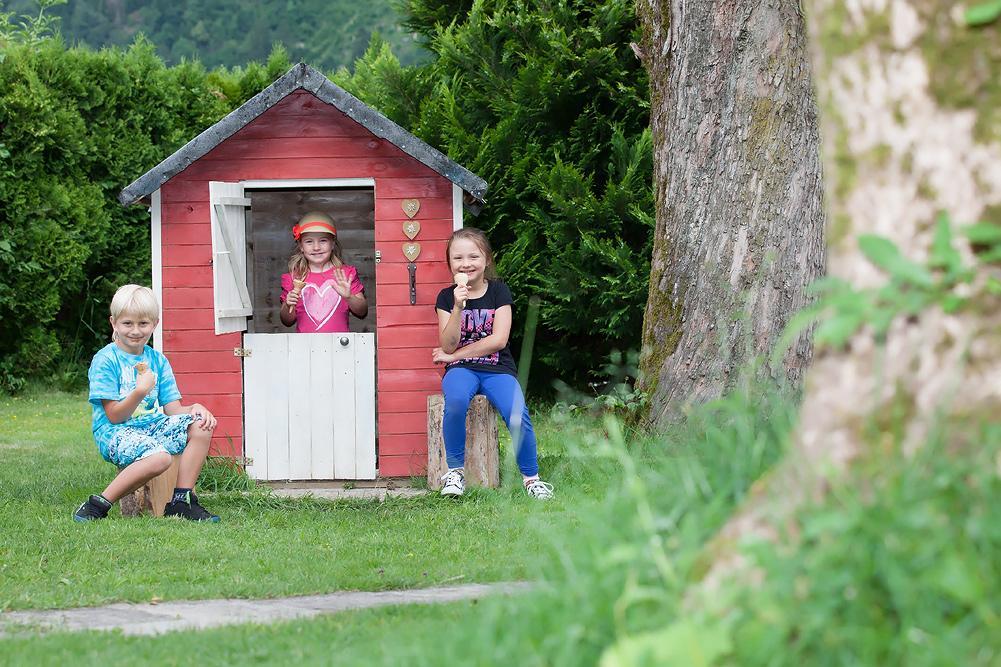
pixel 478 322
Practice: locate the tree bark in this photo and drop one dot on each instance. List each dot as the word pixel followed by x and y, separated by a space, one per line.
pixel 910 104
pixel 737 181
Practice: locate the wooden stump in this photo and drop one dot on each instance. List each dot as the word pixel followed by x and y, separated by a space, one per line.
pixel 150 498
pixel 482 465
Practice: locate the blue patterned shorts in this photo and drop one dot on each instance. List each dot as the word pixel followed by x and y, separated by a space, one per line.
pixel 168 434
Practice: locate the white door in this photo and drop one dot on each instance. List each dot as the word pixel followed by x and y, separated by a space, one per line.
pixel 309 406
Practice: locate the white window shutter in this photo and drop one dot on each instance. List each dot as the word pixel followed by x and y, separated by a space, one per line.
pixel 229 256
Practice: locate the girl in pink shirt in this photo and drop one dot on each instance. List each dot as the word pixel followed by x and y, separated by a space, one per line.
pixel 319 290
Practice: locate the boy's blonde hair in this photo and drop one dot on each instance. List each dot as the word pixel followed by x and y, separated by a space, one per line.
pixel 135 300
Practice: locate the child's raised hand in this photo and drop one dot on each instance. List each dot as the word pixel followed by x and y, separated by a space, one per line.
pixel 145 381
pixel 461 293
pixel 341 283
pixel 208 420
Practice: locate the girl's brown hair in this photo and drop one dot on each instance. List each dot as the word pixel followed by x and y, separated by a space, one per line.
pixel 299 267
pixel 480 239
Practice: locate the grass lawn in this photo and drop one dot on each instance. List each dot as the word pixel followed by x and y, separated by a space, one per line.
pixel 265 546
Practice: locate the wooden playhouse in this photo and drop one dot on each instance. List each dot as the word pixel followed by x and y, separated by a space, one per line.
pixel 305 406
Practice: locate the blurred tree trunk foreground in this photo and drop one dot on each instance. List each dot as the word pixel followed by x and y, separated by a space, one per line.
pixel 910 104
pixel 737 181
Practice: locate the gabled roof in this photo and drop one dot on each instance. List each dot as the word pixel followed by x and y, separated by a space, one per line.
pixel 305 77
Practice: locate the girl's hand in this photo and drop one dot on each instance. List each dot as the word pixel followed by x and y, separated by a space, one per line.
pixel 208 421
pixel 439 356
pixel 461 293
pixel 145 381
pixel 341 283
pixel 291 299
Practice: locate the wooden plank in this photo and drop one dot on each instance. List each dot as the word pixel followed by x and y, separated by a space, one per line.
pixel 343 407
pixel 392 230
pixel 410 380
pixel 229 426
pixel 414 188
pixel 403 401
pixel 205 362
pixel 405 358
pixel 182 189
pixel 229 405
pixel 188 276
pixel 414 336
pixel 276 375
pixel 306 147
pixel 300 404
pixel 408 444
pixel 387 209
pixel 412 465
pixel 187 213
pixel 406 315
pixel 399 295
pixel 231 447
pixel 188 297
pixel 177 319
pixel 404 422
pixel 210 383
pixel 431 251
pixel 185 233
pixel 198 339
pixel 256 397
pixel 187 255
pixel 436 273
pixel 321 417
pixel 364 374
pixel 275 123
pixel 269 168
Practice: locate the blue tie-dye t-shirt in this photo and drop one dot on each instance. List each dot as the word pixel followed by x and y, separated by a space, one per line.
pixel 477 323
pixel 112 376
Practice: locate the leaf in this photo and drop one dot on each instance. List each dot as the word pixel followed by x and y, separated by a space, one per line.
pixel 682 643
pixel 883 253
pixel 838 329
pixel 984 232
pixel 943 254
pixel 982 14
pixel 956 576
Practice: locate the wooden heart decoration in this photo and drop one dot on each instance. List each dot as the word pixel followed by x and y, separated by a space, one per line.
pixel 411 250
pixel 411 228
pixel 411 206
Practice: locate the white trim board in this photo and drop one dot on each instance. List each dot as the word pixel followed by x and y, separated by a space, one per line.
pixel 156 241
pixel 456 207
pixel 310 183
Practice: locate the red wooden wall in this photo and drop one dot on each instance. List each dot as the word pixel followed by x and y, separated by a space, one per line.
pixel 303 137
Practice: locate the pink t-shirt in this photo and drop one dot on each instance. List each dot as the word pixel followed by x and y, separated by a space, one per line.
pixel 321 309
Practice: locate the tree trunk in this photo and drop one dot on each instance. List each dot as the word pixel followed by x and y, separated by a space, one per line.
pixel 737 182
pixel 910 104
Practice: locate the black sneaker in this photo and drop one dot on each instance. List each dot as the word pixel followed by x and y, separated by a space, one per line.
pixel 92 509
pixel 191 510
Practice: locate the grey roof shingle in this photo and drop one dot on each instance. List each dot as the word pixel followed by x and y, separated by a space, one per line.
pixel 304 77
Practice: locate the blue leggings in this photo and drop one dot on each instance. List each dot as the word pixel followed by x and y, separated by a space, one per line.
pixel 503 391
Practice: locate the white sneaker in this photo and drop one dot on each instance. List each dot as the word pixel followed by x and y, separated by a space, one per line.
pixel 453 482
pixel 539 489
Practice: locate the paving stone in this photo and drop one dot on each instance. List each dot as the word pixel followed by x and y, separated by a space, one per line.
pixel 154 619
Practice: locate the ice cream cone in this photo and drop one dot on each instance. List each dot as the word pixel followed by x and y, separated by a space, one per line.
pixel 141 367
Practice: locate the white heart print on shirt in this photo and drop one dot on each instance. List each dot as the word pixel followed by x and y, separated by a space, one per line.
pixel 320 302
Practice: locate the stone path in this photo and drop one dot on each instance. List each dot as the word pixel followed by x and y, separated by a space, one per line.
pixel 154 619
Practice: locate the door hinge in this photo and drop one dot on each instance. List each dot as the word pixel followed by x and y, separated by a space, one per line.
pixel 242 351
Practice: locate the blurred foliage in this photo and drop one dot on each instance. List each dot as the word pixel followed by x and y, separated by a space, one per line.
pixel 75 127
pixel 228 33
pixel 548 103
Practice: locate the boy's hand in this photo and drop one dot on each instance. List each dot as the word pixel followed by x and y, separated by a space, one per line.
pixel 208 421
pixel 439 356
pixel 341 283
pixel 145 381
